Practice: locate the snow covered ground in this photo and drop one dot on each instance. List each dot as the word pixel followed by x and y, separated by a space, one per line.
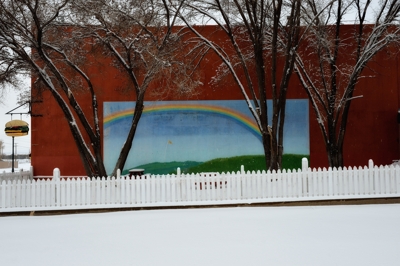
pixel 323 235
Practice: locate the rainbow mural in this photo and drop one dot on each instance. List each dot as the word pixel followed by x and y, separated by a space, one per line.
pixel 245 120
pixel 194 131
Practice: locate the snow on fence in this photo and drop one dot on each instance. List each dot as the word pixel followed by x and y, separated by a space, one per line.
pixel 61 193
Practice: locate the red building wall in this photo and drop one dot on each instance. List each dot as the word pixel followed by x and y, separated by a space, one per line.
pixel 372 131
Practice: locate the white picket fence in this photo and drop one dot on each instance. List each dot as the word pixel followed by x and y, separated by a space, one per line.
pixel 61 193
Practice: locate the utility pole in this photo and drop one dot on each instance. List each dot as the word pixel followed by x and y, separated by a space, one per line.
pixel 12 157
pixel 1 149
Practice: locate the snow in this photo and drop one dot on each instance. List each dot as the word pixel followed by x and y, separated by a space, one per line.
pixel 307 235
pixel 25 165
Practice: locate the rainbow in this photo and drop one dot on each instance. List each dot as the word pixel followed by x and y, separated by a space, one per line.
pixel 242 119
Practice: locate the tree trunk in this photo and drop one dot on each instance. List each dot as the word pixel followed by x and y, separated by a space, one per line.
pixel 90 165
pixel 274 164
pixel 266 139
pixel 333 155
pixel 128 143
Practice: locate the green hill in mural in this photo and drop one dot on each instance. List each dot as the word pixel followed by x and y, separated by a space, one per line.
pixel 250 162
pixel 164 168
pixel 293 161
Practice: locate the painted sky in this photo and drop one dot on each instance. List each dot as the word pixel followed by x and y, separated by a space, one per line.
pixel 195 131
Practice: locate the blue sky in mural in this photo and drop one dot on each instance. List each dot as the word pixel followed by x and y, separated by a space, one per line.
pixel 196 131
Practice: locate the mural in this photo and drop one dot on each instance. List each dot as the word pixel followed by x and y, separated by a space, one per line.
pixel 195 131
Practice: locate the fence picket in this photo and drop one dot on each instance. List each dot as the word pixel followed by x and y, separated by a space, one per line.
pixel 361 186
pixel 82 191
pixel 117 190
pixel 340 180
pixel 324 181
pixel 136 183
pixel 397 175
pixel 153 189
pixel 269 179
pixel 131 190
pixel 376 180
pixel 345 183
pixel 186 187
pixel 23 193
pixel 387 180
pixel 381 180
pixel 244 191
pixel 224 186
pixel 350 184
pixel 162 187
pixel 109 189
pixel 148 188
pixel 303 189
pixel 73 188
pixel 290 183
pixel 12 192
pixel 18 193
pixel 33 194
pixel 257 185
pixel 203 188
pixel 190 187
pixel 236 180
pixel 366 181
pixel 42 194
pixel 330 181
pixel 382 185
pixel 370 173
pixel 320 180
pixel 47 194
pixel 3 194
pixel 168 184
pixel 225 195
pixel 211 186
pixel 68 194
pixel 313 183
pixel 279 185
pixel 392 177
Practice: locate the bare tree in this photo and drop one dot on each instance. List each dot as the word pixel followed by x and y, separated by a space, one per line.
pixel 7 71
pixel 332 63
pixel 146 47
pixel 11 71
pixel 262 38
pixel 54 39
pixel 29 29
